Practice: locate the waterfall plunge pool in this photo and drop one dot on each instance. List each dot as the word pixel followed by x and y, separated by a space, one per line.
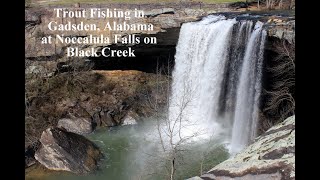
pixel 134 152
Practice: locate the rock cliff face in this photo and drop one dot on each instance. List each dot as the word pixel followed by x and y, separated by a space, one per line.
pixel 167 21
pixel 282 29
pixel 37 20
pixel 98 99
pixel 163 19
pixel 271 156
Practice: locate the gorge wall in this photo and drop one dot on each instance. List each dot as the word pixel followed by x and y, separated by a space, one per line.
pixel 166 20
pixel 50 59
pixel 123 91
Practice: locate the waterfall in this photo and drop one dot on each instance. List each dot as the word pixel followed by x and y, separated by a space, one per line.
pixel 217 80
pixel 248 93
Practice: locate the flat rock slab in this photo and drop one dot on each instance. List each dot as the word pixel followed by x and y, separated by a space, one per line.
pixel 271 156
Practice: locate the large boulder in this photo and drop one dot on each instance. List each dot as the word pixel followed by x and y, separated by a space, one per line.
pixel 80 126
pixel 271 156
pixel 67 151
pixel 78 120
pixel 130 119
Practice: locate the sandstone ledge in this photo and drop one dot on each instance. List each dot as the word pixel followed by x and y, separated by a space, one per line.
pixel 271 156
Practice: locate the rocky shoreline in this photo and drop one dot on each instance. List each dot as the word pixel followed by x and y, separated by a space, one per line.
pixel 271 156
pixel 125 103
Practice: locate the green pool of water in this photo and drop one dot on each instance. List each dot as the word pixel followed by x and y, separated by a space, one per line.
pixel 134 153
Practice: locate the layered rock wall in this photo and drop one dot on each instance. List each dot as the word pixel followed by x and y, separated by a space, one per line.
pixel 271 156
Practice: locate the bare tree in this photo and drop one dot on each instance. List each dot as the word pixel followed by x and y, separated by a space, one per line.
pixel 271 4
pixel 280 4
pixel 171 135
pixel 172 140
pixel 292 4
pixel 280 96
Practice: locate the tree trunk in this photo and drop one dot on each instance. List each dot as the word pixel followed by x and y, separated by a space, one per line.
pixel 247 5
pixel 272 4
pixel 291 4
pixel 172 169
pixel 269 4
pixel 280 4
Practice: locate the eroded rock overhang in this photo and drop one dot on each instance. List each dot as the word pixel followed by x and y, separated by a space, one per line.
pixel 166 23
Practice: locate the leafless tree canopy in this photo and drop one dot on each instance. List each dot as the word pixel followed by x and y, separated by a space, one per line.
pixel 272 4
pixel 171 140
pixel 280 100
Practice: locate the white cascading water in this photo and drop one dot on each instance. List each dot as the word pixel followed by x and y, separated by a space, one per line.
pixel 200 59
pixel 248 93
pixel 217 78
